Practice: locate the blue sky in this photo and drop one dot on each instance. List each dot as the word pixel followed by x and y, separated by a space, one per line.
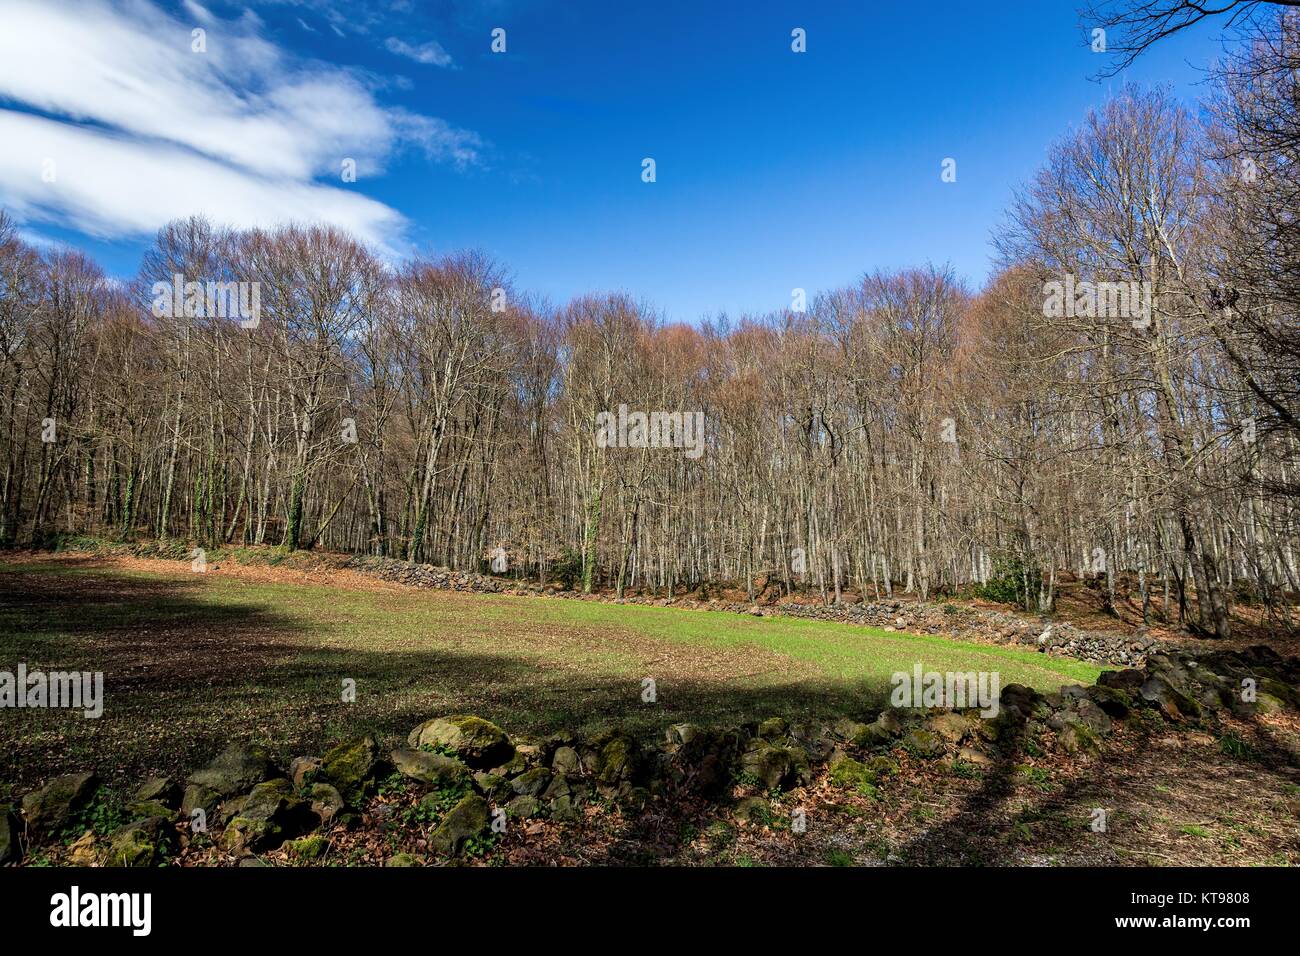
pixel 774 169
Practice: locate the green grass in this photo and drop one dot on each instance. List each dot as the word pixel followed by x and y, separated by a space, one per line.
pixel 193 661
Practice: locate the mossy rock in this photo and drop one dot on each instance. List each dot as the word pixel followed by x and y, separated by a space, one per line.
pixel 1266 703
pixel 433 769
pixel 1172 702
pixel 846 729
pixel 952 726
pixel 1113 701
pixel 351 768
pixel 1076 737
pixel 617 758
pixel 59 802
pixel 478 742
pixel 753 810
pixel 163 790
pixel 236 769
pixel 517 764
pixel 882 730
pixel 532 782
pixel 882 766
pixel 269 815
pixel 776 767
pixel 773 728
pixel 566 761
pixel 524 807
pixel 923 743
pixel 564 810
pixel 401 860
pixel 198 797
pixel 326 802
pixel 303 770
pixel 492 786
pixel 852 774
pixel 311 847
pixel 142 843
pixel 467 819
pixel 143 809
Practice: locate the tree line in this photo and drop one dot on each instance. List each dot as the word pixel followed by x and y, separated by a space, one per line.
pixel 903 432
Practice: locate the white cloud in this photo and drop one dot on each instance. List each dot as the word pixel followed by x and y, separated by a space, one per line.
pixel 248 124
pixel 199 12
pixel 430 53
pixel 108 185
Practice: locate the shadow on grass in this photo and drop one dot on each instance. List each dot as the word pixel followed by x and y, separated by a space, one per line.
pixel 185 676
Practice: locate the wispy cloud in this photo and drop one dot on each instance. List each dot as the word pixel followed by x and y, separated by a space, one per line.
pixel 143 128
pixel 430 52
pixel 109 185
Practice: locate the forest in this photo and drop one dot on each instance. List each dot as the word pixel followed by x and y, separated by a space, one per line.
pixel 902 432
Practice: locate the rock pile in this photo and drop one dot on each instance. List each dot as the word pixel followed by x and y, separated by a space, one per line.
pixel 915 617
pixel 472 775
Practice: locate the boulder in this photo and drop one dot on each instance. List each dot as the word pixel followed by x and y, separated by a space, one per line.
pixel 1075 736
pixel 467 819
pixel 972 756
pixel 753 810
pixel 882 766
pixel 1171 701
pixel 616 758
pixel 1019 702
pixel 923 743
pixel 852 774
pixel 237 769
pixel 523 807
pixel 564 810
pixel 679 734
pixel 326 802
pixel 952 726
pixel 199 797
pixel 59 802
pixel 143 809
pixel 302 770
pixel 269 815
pixel 435 770
pixel 776 767
pixel 773 728
pixel 532 782
pixel 846 729
pixel 142 843
pixel 492 786
pixel 565 760
pixel 705 762
pixel 1113 701
pixel 311 847
pixel 164 790
pixel 883 729
pixel 352 769
pixel 515 765
pixel 477 742
pixel 86 851
pixel 402 859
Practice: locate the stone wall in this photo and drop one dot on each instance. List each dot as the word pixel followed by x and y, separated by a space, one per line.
pixel 469 776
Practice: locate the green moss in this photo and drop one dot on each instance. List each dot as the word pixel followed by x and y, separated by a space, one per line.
pixel 851 774
pixel 309 847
